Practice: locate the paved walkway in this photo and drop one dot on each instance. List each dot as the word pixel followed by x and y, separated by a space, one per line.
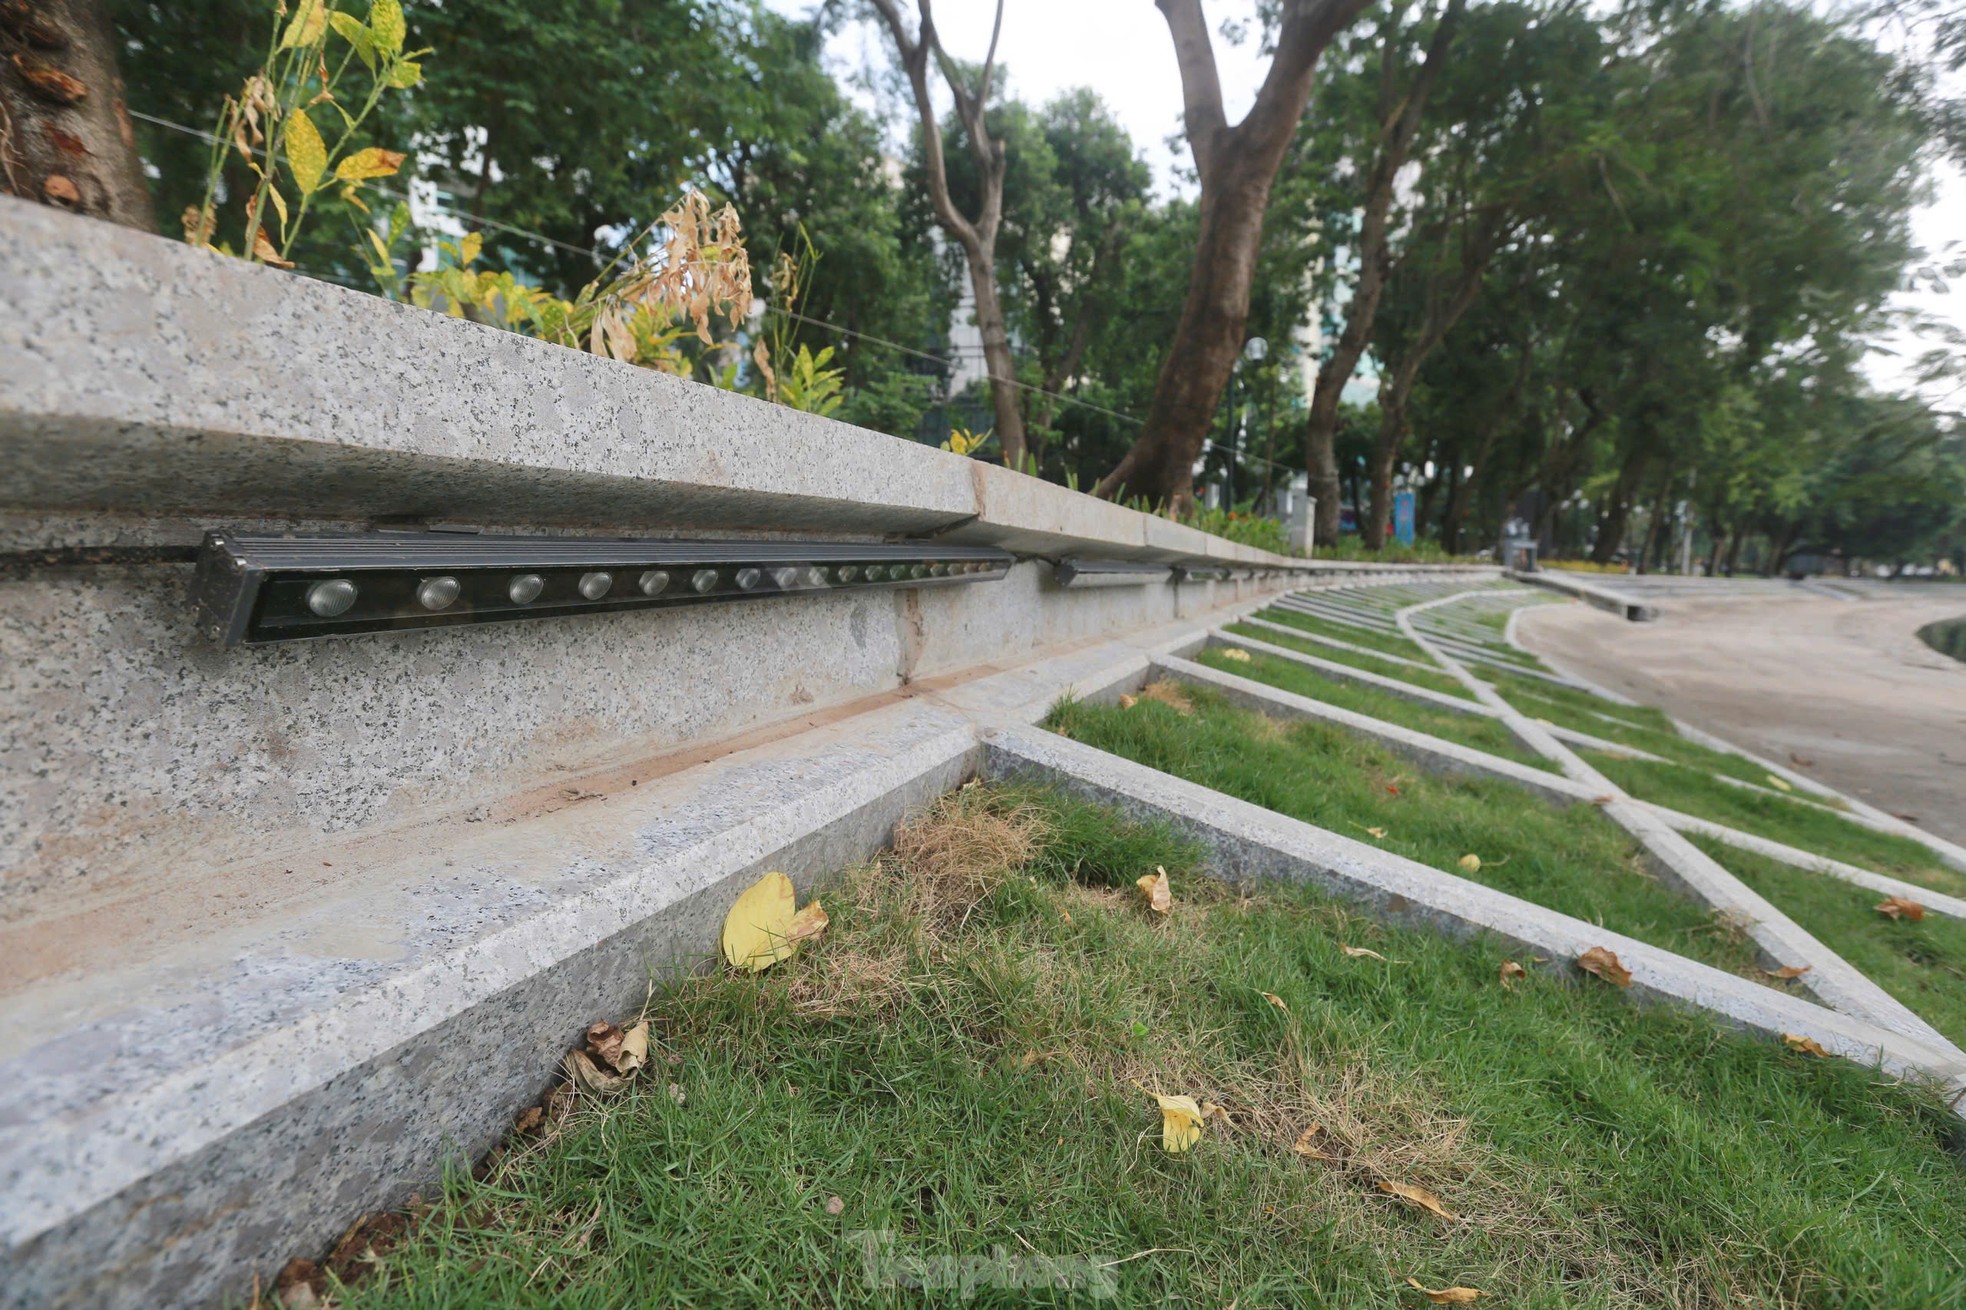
pixel 1842 690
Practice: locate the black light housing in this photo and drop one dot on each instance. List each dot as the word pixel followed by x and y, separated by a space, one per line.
pixel 1109 572
pixel 254 589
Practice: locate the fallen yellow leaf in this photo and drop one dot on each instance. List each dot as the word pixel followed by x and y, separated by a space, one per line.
pixel 1277 1001
pixel 1789 971
pixel 807 924
pixel 1419 1196
pixel 1779 784
pixel 1898 907
pixel 1236 653
pixel 1357 951
pixel 757 931
pixel 1470 862
pixel 1127 701
pixel 1446 1295
pixel 1810 1045
pixel 1153 886
pixel 1605 965
pixel 1379 833
pixel 1512 971
pixel 1180 1126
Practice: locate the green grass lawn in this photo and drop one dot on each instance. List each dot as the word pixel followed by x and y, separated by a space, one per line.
pixel 1810 827
pixel 1640 727
pixel 1573 860
pixel 1923 964
pixel 1432 678
pixel 1391 643
pixel 1480 731
pixel 957 1065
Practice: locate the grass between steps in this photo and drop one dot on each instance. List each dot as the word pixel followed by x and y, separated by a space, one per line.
pixel 1653 734
pixel 1794 823
pixel 1391 643
pixel 1432 678
pixel 1479 731
pixel 1572 860
pixel 959 1063
pixel 1921 963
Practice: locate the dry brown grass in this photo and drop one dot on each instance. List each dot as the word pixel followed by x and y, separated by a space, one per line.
pixel 1169 693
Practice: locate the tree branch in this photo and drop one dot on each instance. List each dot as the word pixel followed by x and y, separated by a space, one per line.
pixel 1201 85
pixel 914 62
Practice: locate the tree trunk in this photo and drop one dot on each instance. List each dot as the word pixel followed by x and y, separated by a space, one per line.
pixel 1617 513
pixel 996 355
pixel 1236 166
pixel 978 236
pixel 1400 121
pixel 1734 540
pixel 65 133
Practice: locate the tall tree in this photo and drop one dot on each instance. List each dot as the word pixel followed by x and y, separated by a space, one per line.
pixel 1236 166
pixel 65 134
pixel 1397 107
pixel 976 235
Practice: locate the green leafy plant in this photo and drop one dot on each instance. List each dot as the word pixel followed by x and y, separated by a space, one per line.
pixel 271 124
pixel 1241 525
pixel 809 385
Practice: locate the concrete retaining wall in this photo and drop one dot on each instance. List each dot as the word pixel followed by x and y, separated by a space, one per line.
pixel 280 926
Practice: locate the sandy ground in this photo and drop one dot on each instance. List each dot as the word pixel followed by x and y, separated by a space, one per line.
pixel 1843 691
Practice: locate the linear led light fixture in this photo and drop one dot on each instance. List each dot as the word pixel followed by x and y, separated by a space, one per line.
pixel 255 589
pixel 1203 573
pixel 1107 572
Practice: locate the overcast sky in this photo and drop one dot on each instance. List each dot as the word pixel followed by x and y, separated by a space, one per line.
pixel 1120 48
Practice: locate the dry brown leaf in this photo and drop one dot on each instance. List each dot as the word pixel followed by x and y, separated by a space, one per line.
pixel 591 1077
pixel 1512 971
pixel 1153 886
pixel 1379 833
pixel 1605 799
pixel 1357 951
pixel 1605 965
pixel 1789 971
pixel 1127 702
pixel 528 1120
pixel 604 1044
pixel 1446 1295
pixel 1306 1144
pixel 1809 1045
pixel 1169 693
pixel 1899 907
pixel 1277 1001
pixel 1419 1196
pixel 264 252
pixel 676 1093
pixel 634 1048
pixel 807 924
pixel 835 1206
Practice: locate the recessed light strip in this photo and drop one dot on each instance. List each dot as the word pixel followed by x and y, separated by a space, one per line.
pixel 256 589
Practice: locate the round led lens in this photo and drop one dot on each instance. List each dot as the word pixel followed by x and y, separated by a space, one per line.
pixel 331 598
pixel 525 588
pixel 436 593
pixel 898 571
pixel 703 580
pixel 595 585
pixel 847 572
pixel 748 579
pixel 918 571
pixel 787 577
pixel 815 577
pixel 653 582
